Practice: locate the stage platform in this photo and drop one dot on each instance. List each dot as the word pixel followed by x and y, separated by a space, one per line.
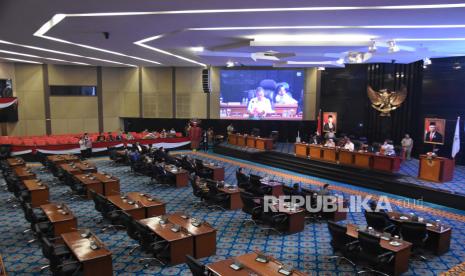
pixel 403 183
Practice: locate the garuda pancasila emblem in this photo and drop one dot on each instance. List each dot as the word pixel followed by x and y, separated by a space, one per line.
pixel 386 100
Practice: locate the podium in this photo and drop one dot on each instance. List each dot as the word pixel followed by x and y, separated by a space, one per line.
pixel 438 169
pixel 250 141
pixel 232 139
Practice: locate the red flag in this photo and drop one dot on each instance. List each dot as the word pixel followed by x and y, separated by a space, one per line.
pixel 318 127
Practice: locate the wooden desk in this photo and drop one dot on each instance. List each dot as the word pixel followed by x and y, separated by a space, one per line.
pixel 363 159
pixel 24 173
pixel 438 169
pixel 438 237
pixel 38 190
pixel 181 175
pixel 63 219
pixel 63 158
pixel 240 140
pixel 86 167
pixel 90 183
pixel 70 169
pixel 250 141
pixel 110 183
pixel 315 152
pixel 94 262
pixel 295 218
pixel 264 143
pixel 385 163
pixel 181 243
pixel 16 162
pixel 218 172
pixel 301 150
pixel 329 154
pixel 346 157
pixel 232 139
pixel 276 187
pixel 251 266
pixel 141 207
pixel 234 193
pixel 204 235
pixel 402 252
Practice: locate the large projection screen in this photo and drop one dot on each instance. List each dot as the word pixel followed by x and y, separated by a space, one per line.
pixel 275 94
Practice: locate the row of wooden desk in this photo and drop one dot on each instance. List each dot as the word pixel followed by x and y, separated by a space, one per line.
pixel 365 160
pixel 250 141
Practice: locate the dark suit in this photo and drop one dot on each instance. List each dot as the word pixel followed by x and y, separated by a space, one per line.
pixel 326 127
pixel 437 137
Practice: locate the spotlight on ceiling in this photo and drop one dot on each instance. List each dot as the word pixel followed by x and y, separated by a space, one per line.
pixel 372 48
pixel 457 66
pixel 358 57
pixel 197 49
pixel 392 46
pixel 230 64
pixel 321 68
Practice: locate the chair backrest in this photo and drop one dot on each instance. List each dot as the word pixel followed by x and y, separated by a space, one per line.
pixel 195 266
pixel 254 179
pixel 338 235
pixel 248 202
pixel 369 243
pixel 377 220
pixel 414 232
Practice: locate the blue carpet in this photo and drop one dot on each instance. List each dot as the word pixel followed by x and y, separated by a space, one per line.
pixel 306 251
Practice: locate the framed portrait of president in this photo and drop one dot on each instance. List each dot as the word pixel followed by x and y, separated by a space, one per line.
pixel 329 121
pixel 434 131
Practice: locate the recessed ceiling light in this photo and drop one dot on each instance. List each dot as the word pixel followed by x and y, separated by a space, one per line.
pixel 392 46
pixel 321 69
pixel 457 66
pixel 427 61
pixel 197 49
pixel 229 64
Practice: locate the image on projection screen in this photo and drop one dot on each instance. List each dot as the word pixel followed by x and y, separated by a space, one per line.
pixel 262 94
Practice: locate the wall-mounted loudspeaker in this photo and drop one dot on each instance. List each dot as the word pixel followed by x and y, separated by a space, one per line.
pixel 206 83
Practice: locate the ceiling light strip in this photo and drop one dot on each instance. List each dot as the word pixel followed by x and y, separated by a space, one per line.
pixel 64 53
pixel 47 58
pixel 326 27
pixel 168 53
pixel 21 60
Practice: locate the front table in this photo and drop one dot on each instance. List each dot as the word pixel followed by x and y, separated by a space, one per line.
pixel 385 163
pixel 264 143
pixel 301 150
pixel 315 152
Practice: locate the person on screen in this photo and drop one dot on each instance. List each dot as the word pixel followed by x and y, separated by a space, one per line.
pixel 432 135
pixel 329 125
pixel 260 105
pixel 283 97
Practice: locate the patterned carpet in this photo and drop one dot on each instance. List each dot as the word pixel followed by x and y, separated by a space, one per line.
pixel 306 251
pixel 409 173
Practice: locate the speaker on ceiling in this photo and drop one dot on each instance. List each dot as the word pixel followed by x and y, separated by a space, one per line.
pixel 206 83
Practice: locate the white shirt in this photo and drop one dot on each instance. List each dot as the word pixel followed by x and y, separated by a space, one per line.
pixel 82 144
pixel 285 99
pixel 388 149
pixel 330 144
pixel 257 106
pixel 349 146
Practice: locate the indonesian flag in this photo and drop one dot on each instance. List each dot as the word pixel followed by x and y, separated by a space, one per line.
pixel 318 127
pixel 456 144
pixel 6 102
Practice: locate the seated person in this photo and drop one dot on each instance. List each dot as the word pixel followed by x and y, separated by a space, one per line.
pixel 330 143
pixel 129 136
pixel 101 137
pixel 342 142
pixel 283 97
pixel 260 105
pixel 296 189
pixel 110 137
pixel 149 135
pixel 137 147
pixel 172 131
pixel 349 145
pixel 119 136
pixel 324 190
pixel 387 148
pixel 134 156
pixel 163 134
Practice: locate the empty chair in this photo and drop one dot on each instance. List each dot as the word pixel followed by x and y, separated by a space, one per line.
pixel 196 268
pixel 343 245
pixel 415 233
pixel 379 221
pixel 129 223
pixel 54 252
pixel 372 254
